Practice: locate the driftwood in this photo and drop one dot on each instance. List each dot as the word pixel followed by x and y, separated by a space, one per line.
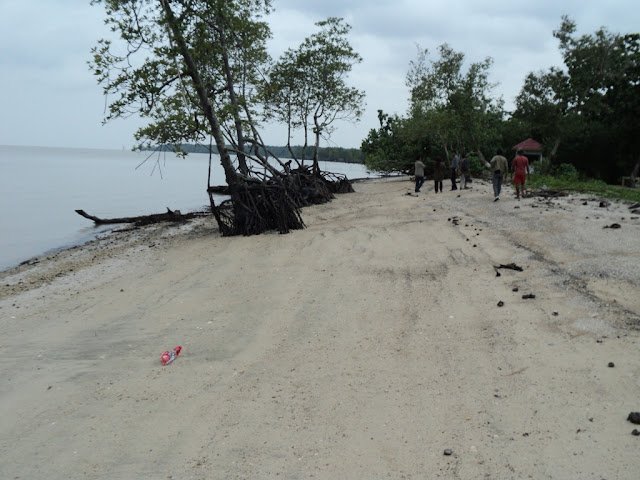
pixel 169 216
pixel 509 266
pixel 546 193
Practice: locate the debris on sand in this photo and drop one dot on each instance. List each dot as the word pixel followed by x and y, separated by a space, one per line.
pixel 500 303
pixel 547 193
pixel 634 417
pixel 510 266
pixel 515 289
pixel 634 206
pixel 448 451
pixel 611 365
pixel 613 225
pixel 604 204
pixel 528 295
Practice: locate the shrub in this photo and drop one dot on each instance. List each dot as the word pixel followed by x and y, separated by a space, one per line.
pixel 566 171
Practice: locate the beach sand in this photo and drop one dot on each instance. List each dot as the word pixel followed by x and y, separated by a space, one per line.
pixel 359 348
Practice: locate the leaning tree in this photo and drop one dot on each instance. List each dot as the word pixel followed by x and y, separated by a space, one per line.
pixel 190 67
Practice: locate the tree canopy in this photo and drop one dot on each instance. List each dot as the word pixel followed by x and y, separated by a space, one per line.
pixel 194 69
pixel 589 111
pixel 307 87
pixel 586 112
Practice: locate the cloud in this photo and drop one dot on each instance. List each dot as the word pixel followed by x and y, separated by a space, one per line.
pixel 50 97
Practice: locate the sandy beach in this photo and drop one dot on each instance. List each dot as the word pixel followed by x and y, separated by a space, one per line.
pixel 359 348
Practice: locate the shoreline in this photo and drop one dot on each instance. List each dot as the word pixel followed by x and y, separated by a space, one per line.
pixel 359 347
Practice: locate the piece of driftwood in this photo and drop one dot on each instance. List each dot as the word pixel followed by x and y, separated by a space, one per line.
pixel 169 216
pixel 546 193
pixel 510 266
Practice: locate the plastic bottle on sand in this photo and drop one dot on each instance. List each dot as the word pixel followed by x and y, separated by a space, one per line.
pixel 170 355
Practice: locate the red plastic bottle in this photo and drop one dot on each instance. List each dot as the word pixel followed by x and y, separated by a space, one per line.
pixel 170 355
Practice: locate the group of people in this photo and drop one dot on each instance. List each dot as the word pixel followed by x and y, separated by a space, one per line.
pixel 498 166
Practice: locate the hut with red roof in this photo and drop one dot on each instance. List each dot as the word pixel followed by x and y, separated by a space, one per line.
pixel 531 148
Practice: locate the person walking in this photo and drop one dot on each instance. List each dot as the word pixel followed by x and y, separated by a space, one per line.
pixel 455 164
pixel 499 168
pixel 438 174
pixel 465 172
pixel 520 167
pixel 419 174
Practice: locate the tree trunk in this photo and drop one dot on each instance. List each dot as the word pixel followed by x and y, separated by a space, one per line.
pixel 554 150
pixel 231 175
pixel 242 162
pixel 317 131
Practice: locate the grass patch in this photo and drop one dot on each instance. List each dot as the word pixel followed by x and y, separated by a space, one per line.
pixel 596 187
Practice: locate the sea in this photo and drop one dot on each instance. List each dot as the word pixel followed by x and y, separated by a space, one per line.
pixel 41 187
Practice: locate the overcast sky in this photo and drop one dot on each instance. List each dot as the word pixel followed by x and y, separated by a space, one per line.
pixel 49 98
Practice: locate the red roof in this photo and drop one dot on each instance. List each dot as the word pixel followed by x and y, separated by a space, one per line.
pixel 529 145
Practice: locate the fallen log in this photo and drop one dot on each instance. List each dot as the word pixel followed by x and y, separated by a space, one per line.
pixel 169 216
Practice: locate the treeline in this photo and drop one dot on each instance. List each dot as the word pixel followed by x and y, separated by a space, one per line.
pixel 585 113
pixel 325 154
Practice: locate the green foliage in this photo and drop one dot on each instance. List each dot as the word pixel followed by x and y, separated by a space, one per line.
pixel 307 88
pixel 395 146
pixel 587 113
pixel 450 110
pixel 566 171
pixel 595 187
pixel 458 109
pixel 477 166
pixel 226 40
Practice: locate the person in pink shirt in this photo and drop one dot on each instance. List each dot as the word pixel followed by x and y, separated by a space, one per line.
pixel 520 168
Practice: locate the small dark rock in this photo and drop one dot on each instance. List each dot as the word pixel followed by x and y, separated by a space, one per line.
pixel 611 365
pixel 635 432
pixel 528 295
pixel 613 225
pixel 515 289
pixel 555 314
pixel 500 303
pixel 498 274
pixel 585 203
pixel 474 245
pixel 634 417
pixel 604 204
pixel 448 451
pixel 49 387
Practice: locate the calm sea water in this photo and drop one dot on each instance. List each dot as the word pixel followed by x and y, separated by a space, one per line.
pixel 40 189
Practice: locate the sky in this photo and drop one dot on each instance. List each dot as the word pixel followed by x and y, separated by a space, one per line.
pixel 48 96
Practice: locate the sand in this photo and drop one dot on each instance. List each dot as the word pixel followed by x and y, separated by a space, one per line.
pixel 359 348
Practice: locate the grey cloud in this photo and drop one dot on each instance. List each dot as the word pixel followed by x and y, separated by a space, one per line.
pixel 48 93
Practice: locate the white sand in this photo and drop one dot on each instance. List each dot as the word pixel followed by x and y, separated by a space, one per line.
pixel 358 348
